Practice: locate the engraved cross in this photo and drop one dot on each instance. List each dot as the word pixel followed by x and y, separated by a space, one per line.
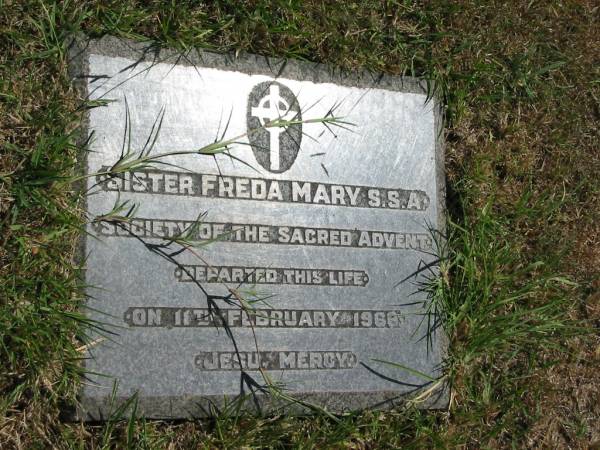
pixel 272 107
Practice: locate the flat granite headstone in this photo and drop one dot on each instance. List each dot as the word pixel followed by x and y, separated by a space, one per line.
pixel 290 266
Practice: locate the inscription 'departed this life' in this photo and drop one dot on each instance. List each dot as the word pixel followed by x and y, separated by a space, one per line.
pixel 297 251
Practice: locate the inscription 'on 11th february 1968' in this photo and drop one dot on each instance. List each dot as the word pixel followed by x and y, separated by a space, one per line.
pixel 299 252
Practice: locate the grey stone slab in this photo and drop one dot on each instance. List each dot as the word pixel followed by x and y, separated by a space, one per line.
pixel 326 229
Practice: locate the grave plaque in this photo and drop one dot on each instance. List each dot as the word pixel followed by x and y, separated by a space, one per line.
pixel 289 265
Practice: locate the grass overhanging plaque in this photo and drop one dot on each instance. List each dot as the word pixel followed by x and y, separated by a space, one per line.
pixel 260 234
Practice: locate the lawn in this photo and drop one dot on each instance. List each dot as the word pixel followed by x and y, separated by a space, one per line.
pixel 519 291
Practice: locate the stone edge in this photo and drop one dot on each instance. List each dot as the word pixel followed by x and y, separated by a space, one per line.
pixel 93 409
pixel 80 47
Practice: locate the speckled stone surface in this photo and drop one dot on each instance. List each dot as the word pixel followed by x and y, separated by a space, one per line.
pixel 329 229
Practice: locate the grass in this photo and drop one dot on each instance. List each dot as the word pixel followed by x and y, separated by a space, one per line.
pixel 519 290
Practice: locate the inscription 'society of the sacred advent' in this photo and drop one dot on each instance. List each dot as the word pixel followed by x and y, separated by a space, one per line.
pixel 295 255
pixel 265 234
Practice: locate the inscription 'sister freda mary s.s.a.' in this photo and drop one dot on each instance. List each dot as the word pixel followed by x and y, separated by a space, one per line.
pixel 293 258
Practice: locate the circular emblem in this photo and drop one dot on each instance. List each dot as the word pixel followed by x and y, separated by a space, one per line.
pixel 275 147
